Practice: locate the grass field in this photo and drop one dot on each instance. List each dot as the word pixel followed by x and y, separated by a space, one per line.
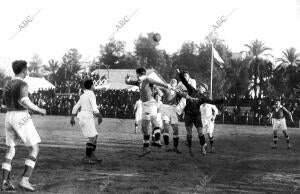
pixel 243 163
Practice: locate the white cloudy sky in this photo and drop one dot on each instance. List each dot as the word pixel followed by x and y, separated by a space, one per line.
pixel 85 24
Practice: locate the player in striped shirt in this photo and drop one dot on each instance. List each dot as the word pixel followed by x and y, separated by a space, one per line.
pixel 19 126
pixel 279 123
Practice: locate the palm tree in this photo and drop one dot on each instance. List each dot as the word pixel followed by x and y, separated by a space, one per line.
pixel 51 70
pixel 287 65
pixel 289 58
pixel 257 62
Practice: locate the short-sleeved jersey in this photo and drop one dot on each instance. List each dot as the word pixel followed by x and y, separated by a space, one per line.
pixel 14 91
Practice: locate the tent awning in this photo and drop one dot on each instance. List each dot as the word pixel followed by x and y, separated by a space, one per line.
pixel 36 83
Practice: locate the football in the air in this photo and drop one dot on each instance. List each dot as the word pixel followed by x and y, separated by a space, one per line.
pixel 156 37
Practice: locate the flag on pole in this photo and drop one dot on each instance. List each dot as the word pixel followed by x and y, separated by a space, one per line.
pixel 217 56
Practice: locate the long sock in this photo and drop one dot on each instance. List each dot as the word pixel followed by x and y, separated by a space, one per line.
pixel 202 140
pixel 211 141
pixel 157 134
pixel 175 141
pixel 166 139
pixel 29 166
pixel 135 126
pixel 89 149
pixel 146 141
pixel 189 140
pixel 287 138
pixel 6 168
pixel 275 139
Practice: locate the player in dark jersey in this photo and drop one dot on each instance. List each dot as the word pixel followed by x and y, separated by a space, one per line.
pixel 194 98
pixel 149 106
pixel 19 125
pixel 279 123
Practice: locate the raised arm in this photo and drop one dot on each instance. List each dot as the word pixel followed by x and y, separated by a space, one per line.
pixel 288 112
pixel 200 98
pixel 190 88
pixel 157 83
pixel 130 81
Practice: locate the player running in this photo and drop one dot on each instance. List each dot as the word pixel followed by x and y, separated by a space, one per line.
pixel 279 123
pixel 89 109
pixel 19 125
pixel 149 106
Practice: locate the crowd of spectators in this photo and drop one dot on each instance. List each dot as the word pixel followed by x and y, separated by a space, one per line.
pixel 112 103
pixel 120 104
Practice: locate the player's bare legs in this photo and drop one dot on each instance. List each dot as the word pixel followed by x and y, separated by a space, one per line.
pixel 6 169
pixel 175 138
pixel 275 139
pixel 189 138
pixel 146 142
pixel 287 138
pixel 29 166
pixel 202 140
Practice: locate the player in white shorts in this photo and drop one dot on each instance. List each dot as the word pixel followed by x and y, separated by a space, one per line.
pixel 279 123
pixel 170 117
pixel 149 115
pixel 138 110
pixel 19 126
pixel 88 109
pixel 208 116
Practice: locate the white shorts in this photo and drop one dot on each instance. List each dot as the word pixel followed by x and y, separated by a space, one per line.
pixel 149 110
pixel 87 123
pixel 159 120
pixel 169 114
pixel 207 126
pixel 279 124
pixel 138 117
pixel 19 126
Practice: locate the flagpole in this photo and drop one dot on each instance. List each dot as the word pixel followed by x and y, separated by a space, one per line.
pixel 211 70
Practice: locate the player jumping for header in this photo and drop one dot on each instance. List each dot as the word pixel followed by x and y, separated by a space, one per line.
pixel 149 106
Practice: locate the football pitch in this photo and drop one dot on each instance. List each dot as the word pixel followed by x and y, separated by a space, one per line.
pixel 243 162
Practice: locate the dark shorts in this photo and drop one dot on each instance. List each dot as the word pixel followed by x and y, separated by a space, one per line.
pixel 189 120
